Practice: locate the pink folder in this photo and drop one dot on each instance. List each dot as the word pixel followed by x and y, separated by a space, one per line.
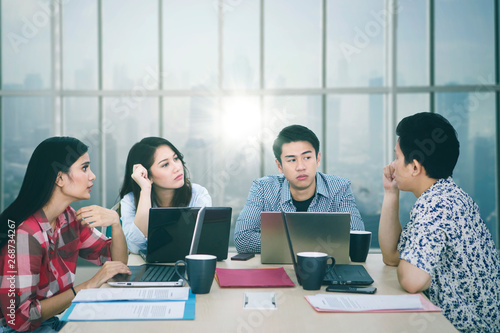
pixel 253 278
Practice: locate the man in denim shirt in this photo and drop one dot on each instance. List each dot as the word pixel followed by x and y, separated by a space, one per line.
pixel 300 188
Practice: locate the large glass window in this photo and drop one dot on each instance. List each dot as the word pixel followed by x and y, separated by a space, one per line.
pixel 292 43
pixel 80 45
pixel 354 142
pixel 355 37
pixel 241 44
pixel 130 44
pixel 26 45
pixel 408 104
pixel 464 42
pixel 190 41
pixel 412 43
pixel 220 79
pixel 26 121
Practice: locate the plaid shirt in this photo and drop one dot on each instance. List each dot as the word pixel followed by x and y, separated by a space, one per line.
pixel 333 194
pixel 39 262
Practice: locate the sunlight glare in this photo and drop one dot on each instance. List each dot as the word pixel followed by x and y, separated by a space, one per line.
pixel 241 117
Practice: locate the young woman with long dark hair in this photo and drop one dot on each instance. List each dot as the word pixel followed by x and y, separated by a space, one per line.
pixel 41 237
pixel 155 176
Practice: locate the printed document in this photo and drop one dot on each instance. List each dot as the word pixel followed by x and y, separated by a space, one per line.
pixel 127 311
pixel 132 294
pixel 365 302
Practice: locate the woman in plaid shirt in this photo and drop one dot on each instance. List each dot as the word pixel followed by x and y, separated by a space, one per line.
pixel 41 237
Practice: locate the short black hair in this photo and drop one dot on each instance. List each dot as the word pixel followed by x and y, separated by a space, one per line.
pixel 431 140
pixel 294 133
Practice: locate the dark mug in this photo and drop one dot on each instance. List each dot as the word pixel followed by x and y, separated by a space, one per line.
pixel 359 245
pixel 200 269
pixel 312 268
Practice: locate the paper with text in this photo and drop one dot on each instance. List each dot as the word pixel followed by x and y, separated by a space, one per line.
pixel 127 311
pixel 365 302
pixel 132 294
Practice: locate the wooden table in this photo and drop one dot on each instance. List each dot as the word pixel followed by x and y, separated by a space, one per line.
pixel 222 310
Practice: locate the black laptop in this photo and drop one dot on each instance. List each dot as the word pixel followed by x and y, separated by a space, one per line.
pixel 171 229
pixel 158 275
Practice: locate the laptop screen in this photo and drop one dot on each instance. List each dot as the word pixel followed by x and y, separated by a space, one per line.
pixel 171 229
pixel 309 231
pixel 169 234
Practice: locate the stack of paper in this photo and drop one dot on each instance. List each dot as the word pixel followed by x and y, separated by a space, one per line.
pixel 371 303
pixel 131 304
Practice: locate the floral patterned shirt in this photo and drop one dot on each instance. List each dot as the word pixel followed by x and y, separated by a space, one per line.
pixel 447 238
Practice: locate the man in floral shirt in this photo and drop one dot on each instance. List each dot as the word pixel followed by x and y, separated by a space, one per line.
pixel 445 249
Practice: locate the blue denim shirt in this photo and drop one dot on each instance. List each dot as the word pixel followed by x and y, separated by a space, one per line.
pixel 333 194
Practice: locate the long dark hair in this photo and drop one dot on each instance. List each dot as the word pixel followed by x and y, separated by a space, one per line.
pixel 143 152
pixel 53 155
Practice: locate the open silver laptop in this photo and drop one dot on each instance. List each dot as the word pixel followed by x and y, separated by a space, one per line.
pixel 309 231
pixel 157 275
pixel 341 274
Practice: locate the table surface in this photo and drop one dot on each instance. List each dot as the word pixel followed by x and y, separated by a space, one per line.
pixel 222 310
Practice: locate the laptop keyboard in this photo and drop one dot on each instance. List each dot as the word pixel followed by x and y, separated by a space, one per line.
pixel 158 273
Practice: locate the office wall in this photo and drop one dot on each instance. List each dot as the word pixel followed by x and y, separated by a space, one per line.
pixel 220 78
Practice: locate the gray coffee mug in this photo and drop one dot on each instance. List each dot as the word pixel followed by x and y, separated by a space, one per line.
pixel 359 245
pixel 312 268
pixel 200 269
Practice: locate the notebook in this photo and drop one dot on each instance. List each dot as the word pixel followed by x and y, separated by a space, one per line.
pixel 150 275
pixel 170 231
pixel 309 231
pixel 341 274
